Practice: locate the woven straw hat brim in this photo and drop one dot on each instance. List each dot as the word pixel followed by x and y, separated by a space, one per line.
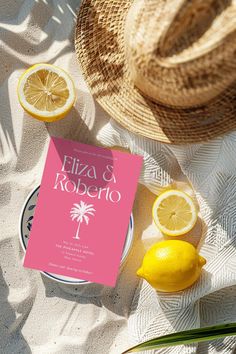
pixel 99 43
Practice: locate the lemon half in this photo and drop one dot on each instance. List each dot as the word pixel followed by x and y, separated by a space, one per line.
pixel 46 92
pixel 174 213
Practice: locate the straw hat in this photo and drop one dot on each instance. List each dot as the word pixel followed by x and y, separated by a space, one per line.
pixel 165 69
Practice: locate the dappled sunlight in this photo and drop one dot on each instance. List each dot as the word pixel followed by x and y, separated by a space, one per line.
pixel 75 318
pixel 41 32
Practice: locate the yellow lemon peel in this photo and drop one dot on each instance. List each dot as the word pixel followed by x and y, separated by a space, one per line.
pixel 171 265
pixel 46 92
pixel 174 212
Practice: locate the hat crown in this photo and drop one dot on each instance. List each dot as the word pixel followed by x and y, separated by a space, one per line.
pixel 181 53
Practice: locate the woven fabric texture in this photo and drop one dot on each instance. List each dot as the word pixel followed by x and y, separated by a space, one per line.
pixel 211 169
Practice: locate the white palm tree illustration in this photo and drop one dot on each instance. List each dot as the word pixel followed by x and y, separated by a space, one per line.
pixel 80 212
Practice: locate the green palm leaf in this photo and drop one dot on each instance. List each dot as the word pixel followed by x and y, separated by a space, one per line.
pixel 187 337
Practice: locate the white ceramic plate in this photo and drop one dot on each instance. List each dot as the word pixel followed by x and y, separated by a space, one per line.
pixel 25 224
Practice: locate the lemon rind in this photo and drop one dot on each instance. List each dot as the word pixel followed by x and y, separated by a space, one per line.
pixel 190 201
pixel 58 113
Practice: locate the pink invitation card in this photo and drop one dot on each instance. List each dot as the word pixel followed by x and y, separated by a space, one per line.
pixel 83 210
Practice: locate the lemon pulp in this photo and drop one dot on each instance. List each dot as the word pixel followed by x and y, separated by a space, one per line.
pixel 174 213
pixel 46 92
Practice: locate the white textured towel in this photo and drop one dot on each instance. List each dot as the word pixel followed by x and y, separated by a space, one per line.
pixel 40 316
pixel 211 168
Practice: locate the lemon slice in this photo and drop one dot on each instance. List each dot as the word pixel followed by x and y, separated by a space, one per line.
pixel 174 213
pixel 46 92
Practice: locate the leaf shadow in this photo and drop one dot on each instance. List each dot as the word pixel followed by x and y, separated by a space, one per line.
pixel 46 19
pixel 9 327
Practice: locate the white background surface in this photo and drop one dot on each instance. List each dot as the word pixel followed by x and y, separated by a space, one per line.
pixel 40 316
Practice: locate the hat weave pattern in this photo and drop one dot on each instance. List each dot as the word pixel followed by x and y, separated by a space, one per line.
pixel 101 47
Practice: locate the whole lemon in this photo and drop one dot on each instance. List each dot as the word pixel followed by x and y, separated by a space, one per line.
pixel 171 265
